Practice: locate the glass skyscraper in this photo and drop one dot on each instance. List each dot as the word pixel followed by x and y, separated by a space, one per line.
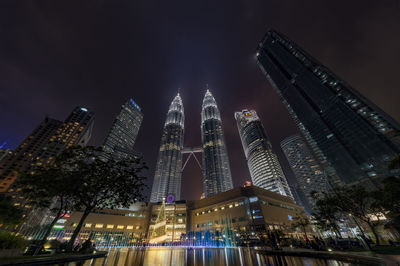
pixel 121 138
pixel 351 137
pixel 216 170
pixel 265 169
pixel 309 174
pixel 167 178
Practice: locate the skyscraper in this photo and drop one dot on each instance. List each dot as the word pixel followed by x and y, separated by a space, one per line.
pixel 265 169
pixel 309 174
pixel 121 138
pixel 167 178
pixel 216 171
pixel 352 137
pixel 45 143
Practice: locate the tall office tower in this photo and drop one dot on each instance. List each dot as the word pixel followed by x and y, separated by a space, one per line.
pixel 351 137
pixel 265 169
pixel 121 138
pixel 308 172
pixel 167 179
pixel 47 141
pixel 216 171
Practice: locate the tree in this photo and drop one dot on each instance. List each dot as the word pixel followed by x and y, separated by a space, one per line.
pixel 48 187
pixel 388 198
pixel 327 214
pixel 10 215
pixel 394 163
pixel 360 203
pixel 301 222
pixel 101 183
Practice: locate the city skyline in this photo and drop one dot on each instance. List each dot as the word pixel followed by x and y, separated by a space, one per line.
pixel 68 66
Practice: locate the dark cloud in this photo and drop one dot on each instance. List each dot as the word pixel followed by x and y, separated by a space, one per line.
pixel 55 55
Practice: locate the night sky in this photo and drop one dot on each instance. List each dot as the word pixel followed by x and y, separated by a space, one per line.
pixel 55 55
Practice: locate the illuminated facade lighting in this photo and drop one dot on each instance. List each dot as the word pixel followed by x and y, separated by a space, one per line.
pixel 121 138
pixel 216 170
pixel 167 178
pixel 265 169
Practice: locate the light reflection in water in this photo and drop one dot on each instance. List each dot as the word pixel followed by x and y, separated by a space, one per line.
pixel 165 256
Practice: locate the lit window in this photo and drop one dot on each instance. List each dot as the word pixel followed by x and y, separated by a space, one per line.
pixel 88 225
pixel 180 220
pixel 120 227
pixel 231 206
pixel 110 226
pixel 99 226
pixel 253 199
pixel 137 227
pixel 129 227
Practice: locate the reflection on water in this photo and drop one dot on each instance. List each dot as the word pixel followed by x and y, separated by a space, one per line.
pixel 200 256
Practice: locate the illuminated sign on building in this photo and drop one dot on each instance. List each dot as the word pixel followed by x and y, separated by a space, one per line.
pixel 134 104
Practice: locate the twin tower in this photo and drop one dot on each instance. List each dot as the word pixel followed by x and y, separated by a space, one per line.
pixel 216 171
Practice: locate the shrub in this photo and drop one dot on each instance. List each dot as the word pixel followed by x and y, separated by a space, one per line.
pixel 9 240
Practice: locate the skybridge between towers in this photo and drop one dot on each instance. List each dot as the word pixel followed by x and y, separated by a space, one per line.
pixel 191 151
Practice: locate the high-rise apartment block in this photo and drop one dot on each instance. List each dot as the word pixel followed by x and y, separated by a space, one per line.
pixel 351 137
pixel 265 169
pixel 121 138
pixel 45 143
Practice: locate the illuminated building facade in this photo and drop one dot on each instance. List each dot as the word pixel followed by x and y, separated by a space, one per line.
pixel 107 227
pixel 168 222
pixel 240 216
pixel 167 178
pixel 308 172
pixel 27 153
pixel 121 138
pixel 265 169
pixel 216 170
pixel 351 137
pixel 47 141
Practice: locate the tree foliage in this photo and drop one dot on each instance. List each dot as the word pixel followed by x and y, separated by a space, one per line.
pixel 100 183
pixel 302 222
pixel 9 214
pixel 327 214
pixel 48 188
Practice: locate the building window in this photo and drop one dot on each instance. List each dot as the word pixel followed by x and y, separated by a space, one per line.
pixel 110 226
pixel 99 226
pixel 88 225
pixel 120 227
pixel 129 227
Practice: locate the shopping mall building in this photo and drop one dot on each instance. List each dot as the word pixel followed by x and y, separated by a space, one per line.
pixel 238 216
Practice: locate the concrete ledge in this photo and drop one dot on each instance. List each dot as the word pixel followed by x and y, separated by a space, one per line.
pixel 334 255
pixel 54 259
